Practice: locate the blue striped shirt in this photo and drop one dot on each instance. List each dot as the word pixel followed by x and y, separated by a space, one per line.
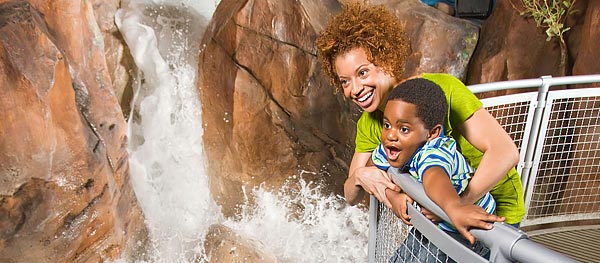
pixel 440 152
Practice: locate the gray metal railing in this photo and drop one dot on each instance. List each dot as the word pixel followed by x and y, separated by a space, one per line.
pixel 507 244
pixel 536 121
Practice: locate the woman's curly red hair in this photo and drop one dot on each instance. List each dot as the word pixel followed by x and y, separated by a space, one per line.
pixel 374 28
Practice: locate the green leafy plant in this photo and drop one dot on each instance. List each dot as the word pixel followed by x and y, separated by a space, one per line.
pixel 550 14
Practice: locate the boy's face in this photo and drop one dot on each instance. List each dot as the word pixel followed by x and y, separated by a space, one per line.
pixel 403 132
pixel 364 83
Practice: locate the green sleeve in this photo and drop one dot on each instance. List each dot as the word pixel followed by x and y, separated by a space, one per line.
pixel 368 131
pixel 462 103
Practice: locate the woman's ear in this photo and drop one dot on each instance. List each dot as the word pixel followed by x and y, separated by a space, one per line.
pixel 434 132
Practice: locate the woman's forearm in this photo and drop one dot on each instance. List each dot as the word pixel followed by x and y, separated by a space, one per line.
pixel 500 153
pixel 494 166
pixel 352 192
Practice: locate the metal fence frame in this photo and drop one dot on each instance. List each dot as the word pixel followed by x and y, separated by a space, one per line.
pixel 530 147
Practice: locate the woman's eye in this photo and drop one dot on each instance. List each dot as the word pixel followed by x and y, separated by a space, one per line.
pixel 343 82
pixel 363 72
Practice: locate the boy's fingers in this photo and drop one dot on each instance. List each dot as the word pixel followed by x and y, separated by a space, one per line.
pixel 495 218
pixel 467 235
pixel 406 221
pixel 404 210
pixel 385 200
pixel 483 225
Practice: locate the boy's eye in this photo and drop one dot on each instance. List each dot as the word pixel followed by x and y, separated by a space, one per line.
pixel 404 129
pixel 387 126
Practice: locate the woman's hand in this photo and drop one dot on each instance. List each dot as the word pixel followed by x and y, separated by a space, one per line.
pixel 370 179
pixel 375 181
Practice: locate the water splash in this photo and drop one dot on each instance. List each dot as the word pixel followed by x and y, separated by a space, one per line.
pixel 301 224
pixel 168 169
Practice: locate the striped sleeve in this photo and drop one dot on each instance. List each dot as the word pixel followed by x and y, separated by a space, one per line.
pixel 379 158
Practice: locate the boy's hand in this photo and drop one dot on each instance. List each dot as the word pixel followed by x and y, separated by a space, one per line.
pixel 398 201
pixel 431 216
pixel 467 216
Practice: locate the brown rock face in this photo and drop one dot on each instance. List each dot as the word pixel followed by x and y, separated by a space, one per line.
pixel 269 113
pixel 439 42
pixel 65 193
pixel 223 245
pixel 513 47
pixel 588 49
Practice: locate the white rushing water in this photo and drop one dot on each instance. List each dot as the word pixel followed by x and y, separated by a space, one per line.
pixel 168 166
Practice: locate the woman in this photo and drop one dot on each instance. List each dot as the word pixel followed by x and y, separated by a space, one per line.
pixel 363 51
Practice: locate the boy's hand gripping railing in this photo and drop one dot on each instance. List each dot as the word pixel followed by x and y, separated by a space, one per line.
pixel 507 244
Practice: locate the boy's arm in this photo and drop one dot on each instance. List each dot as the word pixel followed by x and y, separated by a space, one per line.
pixel 398 201
pixel 439 189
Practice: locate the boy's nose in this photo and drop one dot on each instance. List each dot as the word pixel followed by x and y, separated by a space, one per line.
pixel 391 135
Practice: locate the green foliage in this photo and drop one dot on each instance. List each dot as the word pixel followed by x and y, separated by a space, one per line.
pixel 550 14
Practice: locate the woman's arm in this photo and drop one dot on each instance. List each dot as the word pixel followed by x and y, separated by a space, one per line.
pixel 370 179
pixel 500 153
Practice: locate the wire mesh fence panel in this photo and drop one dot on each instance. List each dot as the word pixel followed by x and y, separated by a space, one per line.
pixel 515 114
pixel 566 180
pixel 398 242
pixel 390 233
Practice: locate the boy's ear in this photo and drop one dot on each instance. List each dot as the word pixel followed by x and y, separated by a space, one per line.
pixel 434 132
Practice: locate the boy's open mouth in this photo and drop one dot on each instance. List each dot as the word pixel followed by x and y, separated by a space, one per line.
pixel 392 152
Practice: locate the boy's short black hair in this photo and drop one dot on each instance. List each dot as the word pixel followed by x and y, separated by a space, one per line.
pixel 428 98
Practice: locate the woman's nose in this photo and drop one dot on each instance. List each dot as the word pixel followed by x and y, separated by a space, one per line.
pixel 355 87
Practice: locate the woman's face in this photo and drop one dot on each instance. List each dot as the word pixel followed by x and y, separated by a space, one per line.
pixel 364 83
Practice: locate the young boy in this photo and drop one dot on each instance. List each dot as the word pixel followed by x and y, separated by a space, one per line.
pixel 412 139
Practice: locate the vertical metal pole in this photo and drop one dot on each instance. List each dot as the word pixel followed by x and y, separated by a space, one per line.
pixel 534 137
pixel 373 221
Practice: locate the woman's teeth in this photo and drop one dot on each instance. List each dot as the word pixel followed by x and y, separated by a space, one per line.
pixel 365 97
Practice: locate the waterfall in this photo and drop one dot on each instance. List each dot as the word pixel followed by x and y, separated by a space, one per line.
pixel 168 167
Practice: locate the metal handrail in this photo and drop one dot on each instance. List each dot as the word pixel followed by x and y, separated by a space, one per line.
pixel 533 83
pixel 507 244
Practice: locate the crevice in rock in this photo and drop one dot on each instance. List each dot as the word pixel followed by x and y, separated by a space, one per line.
pixel 73 220
pixel 275 39
pixel 82 101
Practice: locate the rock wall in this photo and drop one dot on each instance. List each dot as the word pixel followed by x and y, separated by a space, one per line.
pixel 65 194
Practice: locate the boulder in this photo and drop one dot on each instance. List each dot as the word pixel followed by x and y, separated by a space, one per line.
pixel 223 245
pixel 65 194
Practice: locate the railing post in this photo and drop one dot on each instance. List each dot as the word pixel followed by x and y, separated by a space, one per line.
pixel 534 135
pixel 373 221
